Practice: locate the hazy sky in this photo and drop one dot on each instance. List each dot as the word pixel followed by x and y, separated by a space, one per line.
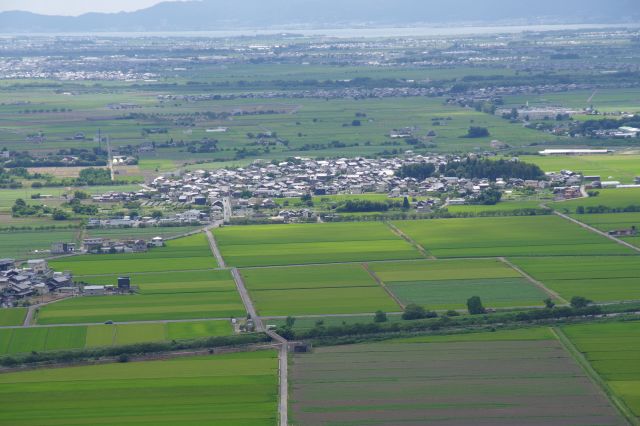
pixel 75 7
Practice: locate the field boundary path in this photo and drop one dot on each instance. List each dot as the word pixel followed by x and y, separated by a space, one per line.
pixel 214 247
pixel 246 300
pixel 410 240
pixel 383 285
pixel 283 377
pixel 84 324
pixel 593 375
pixel 533 281
pixel 597 231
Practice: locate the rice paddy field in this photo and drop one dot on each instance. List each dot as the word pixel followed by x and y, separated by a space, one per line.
pixel 613 350
pixel 613 221
pixel 189 253
pixel 503 206
pixel 519 377
pixel 614 198
pixel 162 296
pixel 447 284
pixel 270 245
pixel 232 389
pixel 25 340
pixel 599 278
pixel 310 290
pixel 507 236
pixel 621 167
pixel 144 233
pixel 26 244
pixel 12 316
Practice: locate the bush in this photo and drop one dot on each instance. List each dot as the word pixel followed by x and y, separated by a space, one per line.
pixel 380 317
pixel 474 305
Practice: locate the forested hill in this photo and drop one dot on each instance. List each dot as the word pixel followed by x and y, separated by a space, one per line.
pixel 222 14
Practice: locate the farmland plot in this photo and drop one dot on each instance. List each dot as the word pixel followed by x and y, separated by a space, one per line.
pixel 613 222
pixel 13 316
pixel 189 253
pixel 25 340
pixel 602 278
pixel 313 243
pixel 309 290
pixel 613 198
pixel 613 349
pixel 508 236
pixel 447 284
pixel 165 296
pixel 22 244
pixel 514 379
pixel 233 390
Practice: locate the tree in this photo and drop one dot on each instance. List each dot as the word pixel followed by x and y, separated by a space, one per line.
pixel 290 321
pixel 580 210
pixel 474 305
pixel 478 132
pixel 549 303
pixel 405 204
pixel 413 311
pixel 578 302
pixel 80 195
pixel 380 317
pixel 356 123
pixel 156 214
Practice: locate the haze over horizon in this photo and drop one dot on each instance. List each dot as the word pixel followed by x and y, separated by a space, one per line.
pixel 75 7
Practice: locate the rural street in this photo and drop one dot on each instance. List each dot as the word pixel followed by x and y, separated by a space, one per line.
pixel 214 247
pixel 246 300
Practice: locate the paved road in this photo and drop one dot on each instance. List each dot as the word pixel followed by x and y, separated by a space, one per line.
pixel 214 248
pixel 246 300
pixel 227 210
pixel 283 405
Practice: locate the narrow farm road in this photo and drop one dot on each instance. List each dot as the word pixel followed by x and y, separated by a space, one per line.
pixel 283 405
pixel 533 281
pixel 410 240
pixel 382 284
pixel 246 300
pixel 214 248
pixel 597 231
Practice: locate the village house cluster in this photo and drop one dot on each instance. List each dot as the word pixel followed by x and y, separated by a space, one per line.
pixel 34 279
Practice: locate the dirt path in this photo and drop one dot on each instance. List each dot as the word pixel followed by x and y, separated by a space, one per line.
pixel 80 324
pixel 382 284
pixel 533 281
pixel 410 240
pixel 246 300
pixel 597 231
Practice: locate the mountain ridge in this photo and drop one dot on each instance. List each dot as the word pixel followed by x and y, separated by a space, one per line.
pixel 210 15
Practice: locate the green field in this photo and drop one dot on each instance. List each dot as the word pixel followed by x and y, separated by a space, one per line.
pixel 12 316
pixel 503 206
pixel 507 236
pixel 623 168
pixel 502 378
pixel 613 198
pixel 268 245
pixel 601 278
pixel 447 284
pixel 234 390
pixel 613 349
pixel 613 222
pixel 23 244
pixel 24 340
pixel 144 233
pixel 189 253
pixel 310 290
pixel 162 296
